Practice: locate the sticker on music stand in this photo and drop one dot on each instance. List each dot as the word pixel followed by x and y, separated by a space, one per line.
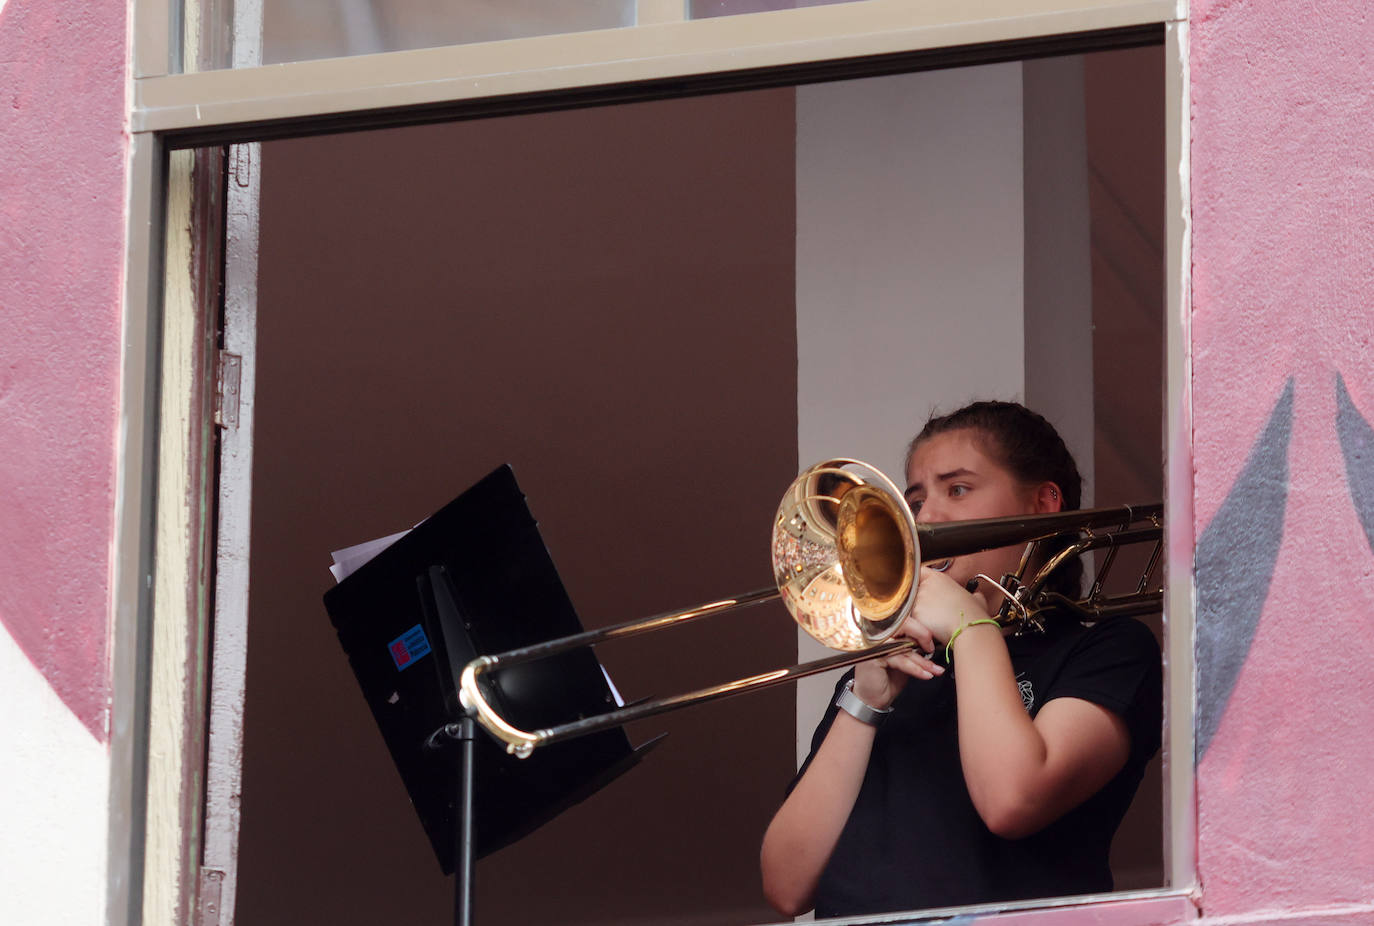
pixel 409 647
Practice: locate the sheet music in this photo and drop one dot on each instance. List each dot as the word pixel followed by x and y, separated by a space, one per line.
pixel 348 560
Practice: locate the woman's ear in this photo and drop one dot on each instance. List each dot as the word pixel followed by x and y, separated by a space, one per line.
pixel 1048 498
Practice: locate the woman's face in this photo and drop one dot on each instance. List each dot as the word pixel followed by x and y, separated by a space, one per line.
pixel 950 478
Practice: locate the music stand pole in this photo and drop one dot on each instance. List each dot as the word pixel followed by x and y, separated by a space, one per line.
pixel 463 856
pixel 463 732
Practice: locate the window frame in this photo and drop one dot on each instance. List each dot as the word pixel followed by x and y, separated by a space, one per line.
pixel 171 111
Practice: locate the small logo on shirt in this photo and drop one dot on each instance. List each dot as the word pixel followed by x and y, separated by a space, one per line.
pixel 1027 693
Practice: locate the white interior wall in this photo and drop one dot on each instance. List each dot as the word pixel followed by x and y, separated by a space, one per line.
pixel 910 282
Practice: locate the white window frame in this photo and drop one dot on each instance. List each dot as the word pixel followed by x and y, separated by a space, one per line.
pixel 237 105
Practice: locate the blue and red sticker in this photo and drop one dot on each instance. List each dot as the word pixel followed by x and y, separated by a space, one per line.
pixel 409 647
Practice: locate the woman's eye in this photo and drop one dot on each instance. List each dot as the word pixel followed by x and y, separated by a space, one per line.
pixel 958 491
pixel 914 504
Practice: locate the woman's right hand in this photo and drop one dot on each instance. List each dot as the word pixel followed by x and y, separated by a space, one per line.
pixel 877 682
pixel 807 827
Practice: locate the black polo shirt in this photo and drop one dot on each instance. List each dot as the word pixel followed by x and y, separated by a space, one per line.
pixel 914 839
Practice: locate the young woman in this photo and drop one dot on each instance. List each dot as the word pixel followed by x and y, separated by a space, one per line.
pixel 999 776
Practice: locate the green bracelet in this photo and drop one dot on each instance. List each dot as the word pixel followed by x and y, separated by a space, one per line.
pixel 962 627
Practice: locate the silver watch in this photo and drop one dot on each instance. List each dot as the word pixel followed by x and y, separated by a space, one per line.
pixel 854 706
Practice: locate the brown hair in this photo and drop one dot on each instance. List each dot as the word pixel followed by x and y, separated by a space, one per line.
pixel 1028 447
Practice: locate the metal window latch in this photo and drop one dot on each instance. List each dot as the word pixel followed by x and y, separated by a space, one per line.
pixel 227 376
pixel 208 897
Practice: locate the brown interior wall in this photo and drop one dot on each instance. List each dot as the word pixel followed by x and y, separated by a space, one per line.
pixel 1125 116
pixel 1124 96
pixel 603 298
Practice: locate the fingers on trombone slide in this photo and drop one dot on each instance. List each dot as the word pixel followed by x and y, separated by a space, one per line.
pixel 918 633
pixel 913 662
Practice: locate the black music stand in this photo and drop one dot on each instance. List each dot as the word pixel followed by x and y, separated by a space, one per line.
pixel 475 578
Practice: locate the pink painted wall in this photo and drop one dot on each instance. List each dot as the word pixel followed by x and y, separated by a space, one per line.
pixel 63 146
pixel 1283 390
pixel 62 179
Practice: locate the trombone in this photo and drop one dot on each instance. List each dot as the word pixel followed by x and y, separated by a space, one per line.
pixel 846 552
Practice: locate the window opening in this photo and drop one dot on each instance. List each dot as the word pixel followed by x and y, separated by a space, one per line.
pixel 438 299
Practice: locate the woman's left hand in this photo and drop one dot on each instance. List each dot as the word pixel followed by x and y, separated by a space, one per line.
pixel 943 605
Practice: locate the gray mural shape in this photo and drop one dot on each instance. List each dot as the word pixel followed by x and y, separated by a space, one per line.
pixel 1236 555
pixel 1357 445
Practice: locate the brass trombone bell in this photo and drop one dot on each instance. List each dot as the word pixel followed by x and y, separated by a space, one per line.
pixel 846 553
pixel 843 542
